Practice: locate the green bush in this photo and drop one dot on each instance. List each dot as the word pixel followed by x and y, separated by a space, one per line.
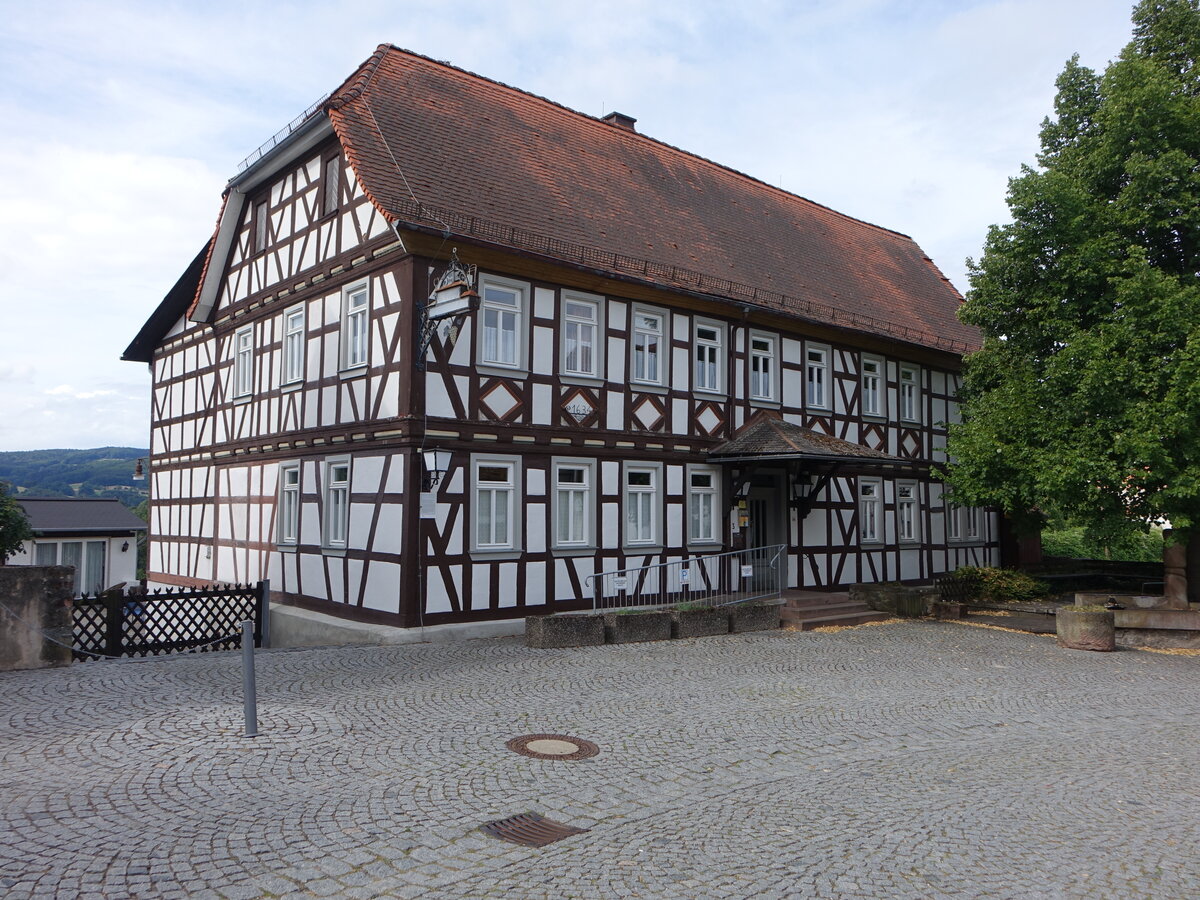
pixel 1002 585
pixel 1075 543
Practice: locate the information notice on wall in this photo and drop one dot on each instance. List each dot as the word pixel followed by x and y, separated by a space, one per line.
pixel 428 505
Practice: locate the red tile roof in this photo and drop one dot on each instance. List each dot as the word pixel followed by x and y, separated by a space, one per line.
pixel 434 145
pixel 768 435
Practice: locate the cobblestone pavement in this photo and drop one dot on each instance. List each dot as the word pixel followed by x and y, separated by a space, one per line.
pixel 909 760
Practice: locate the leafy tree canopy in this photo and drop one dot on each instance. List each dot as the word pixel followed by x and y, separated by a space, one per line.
pixel 1085 398
pixel 14 525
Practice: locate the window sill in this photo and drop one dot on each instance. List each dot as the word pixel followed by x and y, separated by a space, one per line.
pixel 356 372
pixel 498 371
pixel 704 546
pixel 244 398
pixel 874 417
pixel 644 387
pixel 287 548
pixel 588 380
pixel 334 551
pixel 569 552
pixel 500 554
pixel 706 394
pixel 290 386
pixel 765 404
pixel 915 423
pixel 636 549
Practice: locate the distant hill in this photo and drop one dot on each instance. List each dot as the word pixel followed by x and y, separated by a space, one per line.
pixel 101 472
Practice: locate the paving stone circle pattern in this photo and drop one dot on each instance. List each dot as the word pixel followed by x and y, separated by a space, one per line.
pixel 911 760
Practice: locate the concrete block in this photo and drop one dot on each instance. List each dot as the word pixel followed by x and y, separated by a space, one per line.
pixel 548 632
pixel 629 628
pixel 1085 630
pixel 691 623
pixel 754 617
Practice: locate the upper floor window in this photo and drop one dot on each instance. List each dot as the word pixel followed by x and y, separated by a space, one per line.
pixel 243 361
pixel 494 495
pixel 953 522
pixel 647 341
pixel 580 336
pixel 293 345
pixel 870 512
pixel 709 353
pixel 906 512
pixel 355 336
pixel 872 387
pixel 762 367
pixel 336 524
pixel 289 503
pixel 260 226
pixel 910 393
pixel 502 309
pixel 816 377
pixel 573 503
pixel 702 506
pixel 641 502
pixel 331 184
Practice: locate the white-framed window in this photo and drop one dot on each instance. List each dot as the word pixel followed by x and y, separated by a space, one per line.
pixel 260 227
pixel 289 503
pixel 355 333
pixel 708 339
pixel 641 504
pixel 816 377
pixel 574 482
pixel 293 345
pixel 907 521
pixel 580 335
pixel 86 557
pixel 972 528
pixel 648 355
pixel 502 315
pixel 872 386
pixel 45 554
pixel 764 366
pixel 703 506
pixel 953 522
pixel 335 527
pixel 331 187
pixel 494 492
pixel 870 511
pixel 243 361
pixel 910 393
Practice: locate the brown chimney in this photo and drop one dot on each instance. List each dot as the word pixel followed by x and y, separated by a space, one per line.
pixel 620 120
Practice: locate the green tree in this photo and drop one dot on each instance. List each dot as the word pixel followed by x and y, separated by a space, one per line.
pixel 14 525
pixel 1084 400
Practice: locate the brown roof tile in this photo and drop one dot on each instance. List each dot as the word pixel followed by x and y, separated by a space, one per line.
pixel 770 436
pixel 504 165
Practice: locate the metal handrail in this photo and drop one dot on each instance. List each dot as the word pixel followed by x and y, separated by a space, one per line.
pixel 720 579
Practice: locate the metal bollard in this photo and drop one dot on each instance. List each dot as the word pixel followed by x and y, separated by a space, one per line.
pixel 249 698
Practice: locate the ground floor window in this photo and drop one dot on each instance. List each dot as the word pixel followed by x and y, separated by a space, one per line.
pixel 337 504
pixel 703 514
pixel 907 527
pixel 641 504
pixel 494 495
pixel 289 503
pixel 870 511
pixel 573 485
pixel 86 557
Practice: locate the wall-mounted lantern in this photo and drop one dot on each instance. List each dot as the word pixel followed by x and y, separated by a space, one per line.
pixel 437 464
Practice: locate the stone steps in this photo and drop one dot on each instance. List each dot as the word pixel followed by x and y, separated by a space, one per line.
pixel 807 610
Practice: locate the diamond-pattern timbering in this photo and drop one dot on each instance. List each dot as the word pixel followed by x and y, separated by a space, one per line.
pixel 709 419
pixel 579 407
pixel 910 444
pixel 649 413
pixel 873 437
pixel 500 401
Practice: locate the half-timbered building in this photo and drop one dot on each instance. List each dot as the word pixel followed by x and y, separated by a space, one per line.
pixel 654 357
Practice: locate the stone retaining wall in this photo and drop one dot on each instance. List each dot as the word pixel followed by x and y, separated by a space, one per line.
pixel 38 604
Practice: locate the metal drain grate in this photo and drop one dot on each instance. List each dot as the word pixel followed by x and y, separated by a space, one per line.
pixel 552 746
pixel 530 830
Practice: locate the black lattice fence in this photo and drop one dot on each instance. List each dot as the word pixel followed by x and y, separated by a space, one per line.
pixel 955 588
pixel 141 623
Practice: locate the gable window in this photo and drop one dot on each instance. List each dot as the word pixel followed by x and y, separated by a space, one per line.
pixel 762 367
pixel 910 393
pixel 573 503
pixel 641 501
pixel 243 361
pixel 872 387
pixel 906 512
pixel 293 345
pixel 580 328
pixel 260 226
pixel 289 503
pixel 702 506
pixel 647 347
pixel 708 350
pixel 502 309
pixel 331 187
pixel 354 326
pixel 870 512
pixel 494 489
pixel 816 376
pixel 336 525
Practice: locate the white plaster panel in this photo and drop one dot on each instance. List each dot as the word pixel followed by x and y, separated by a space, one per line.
pixel 610 476
pixel 680 423
pixel 679 326
pixel 454 542
pixel 816 530
pixel 395 476
pixel 535 481
pixel 616 310
pixel 361 515
pixel 383 587
pixel 793 387
pixel 388 528
pixel 615 360
pixel 461 354
pixel 366 474
pixel 536 523
pixel 615 416
pixel 535 583
pixel 674 522
pixel 462 384
pixel 508 585
pixel 674 481
pixel 543 409
pixel 310 524
pixel 543 303
pixel 610 525
pixel 543 350
pixel 481 588
pixel 681 369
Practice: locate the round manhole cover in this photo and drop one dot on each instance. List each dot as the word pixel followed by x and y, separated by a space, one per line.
pixel 552 746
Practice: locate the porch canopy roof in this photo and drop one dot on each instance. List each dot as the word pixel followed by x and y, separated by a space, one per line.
pixel 767 439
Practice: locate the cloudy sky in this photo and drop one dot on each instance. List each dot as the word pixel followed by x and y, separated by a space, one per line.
pixel 123 121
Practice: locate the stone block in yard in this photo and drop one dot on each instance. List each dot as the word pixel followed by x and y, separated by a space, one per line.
pixel 754 617
pixel 632 627
pixel 941 609
pixel 1085 629
pixel 692 623
pixel 548 632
